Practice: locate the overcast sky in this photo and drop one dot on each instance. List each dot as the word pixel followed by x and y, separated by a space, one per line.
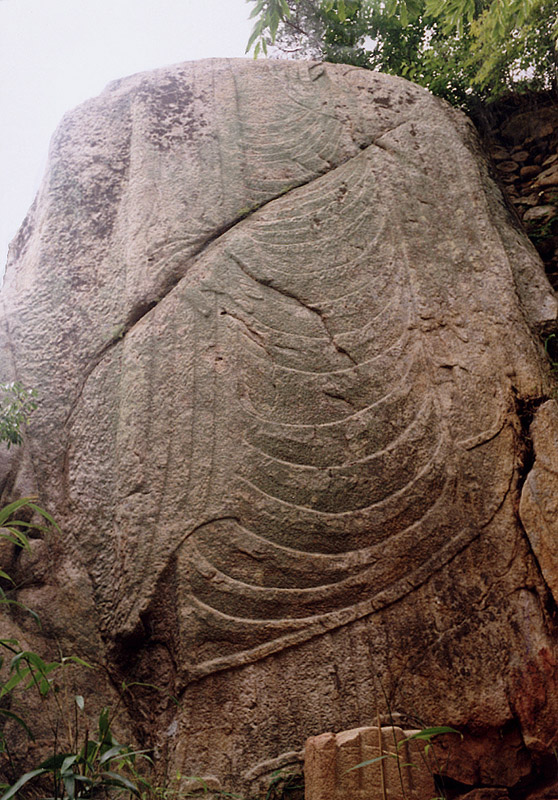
pixel 56 53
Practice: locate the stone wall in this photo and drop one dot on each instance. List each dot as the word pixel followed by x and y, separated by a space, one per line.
pixel 522 139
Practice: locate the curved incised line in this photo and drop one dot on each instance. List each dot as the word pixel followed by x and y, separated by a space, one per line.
pixel 340 514
pixel 333 423
pixel 332 469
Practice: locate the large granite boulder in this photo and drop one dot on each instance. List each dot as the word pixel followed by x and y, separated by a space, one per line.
pixel 287 339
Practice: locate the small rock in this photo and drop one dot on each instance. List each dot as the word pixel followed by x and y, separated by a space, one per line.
pixel 529 197
pixel 550 160
pixel 539 213
pixel 499 154
pixel 548 197
pixel 545 129
pixel 507 166
pixel 529 171
pixel 549 177
pixel 520 156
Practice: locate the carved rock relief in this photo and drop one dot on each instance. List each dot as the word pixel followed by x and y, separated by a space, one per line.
pixel 309 421
pixel 287 373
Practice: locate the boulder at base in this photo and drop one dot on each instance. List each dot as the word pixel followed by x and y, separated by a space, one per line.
pixel 286 336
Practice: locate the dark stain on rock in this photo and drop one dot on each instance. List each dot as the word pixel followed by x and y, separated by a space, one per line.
pixel 174 111
pixel 384 102
pixel 88 189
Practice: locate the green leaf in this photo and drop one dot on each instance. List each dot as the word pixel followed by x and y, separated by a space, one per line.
pixel 104 723
pixel 274 24
pixel 76 660
pixel 256 32
pixel 113 752
pixel 258 8
pixel 9 685
pixel 285 10
pixel 84 779
pixel 5 713
pixel 68 762
pixel 69 781
pixel 43 514
pixel 114 779
pixel 371 761
pixel 14 536
pixel 21 782
pixel 429 733
pixel 7 511
pixel 403 14
pixel 53 763
pixel 6 601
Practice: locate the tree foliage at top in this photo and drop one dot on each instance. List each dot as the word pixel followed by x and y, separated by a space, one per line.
pixel 467 51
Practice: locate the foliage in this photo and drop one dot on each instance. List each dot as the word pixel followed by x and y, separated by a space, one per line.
pixel 16 404
pixel 467 51
pixel 87 766
pixel 14 531
pixel 100 765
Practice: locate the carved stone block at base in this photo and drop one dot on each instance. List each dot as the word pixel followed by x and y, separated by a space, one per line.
pixel 402 773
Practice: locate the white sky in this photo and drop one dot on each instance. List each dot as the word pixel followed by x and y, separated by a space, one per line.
pixel 56 53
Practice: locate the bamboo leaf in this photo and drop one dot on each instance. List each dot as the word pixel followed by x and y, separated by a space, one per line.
pixel 429 733
pixel 258 8
pixel 371 761
pixel 114 779
pixel 68 762
pixel 403 15
pixel 69 785
pixel 21 782
pixel 10 714
pixel 76 660
pixel 9 685
pixel 54 762
pixel 7 511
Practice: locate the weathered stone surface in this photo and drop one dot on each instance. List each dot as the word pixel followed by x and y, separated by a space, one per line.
pixel 539 498
pixel 401 771
pixel 285 331
pixel 540 214
pixel 549 177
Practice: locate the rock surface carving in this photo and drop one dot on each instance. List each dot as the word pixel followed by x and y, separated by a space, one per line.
pixel 284 329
